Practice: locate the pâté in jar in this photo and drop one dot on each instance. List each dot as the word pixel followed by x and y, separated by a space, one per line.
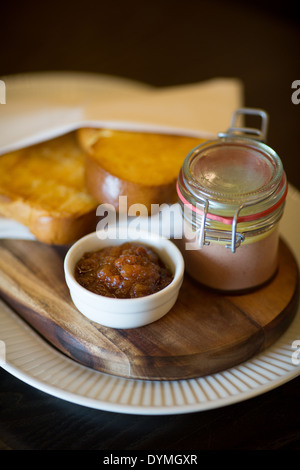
pixel 232 193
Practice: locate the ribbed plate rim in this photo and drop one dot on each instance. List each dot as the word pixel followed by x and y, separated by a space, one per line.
pixel 16 330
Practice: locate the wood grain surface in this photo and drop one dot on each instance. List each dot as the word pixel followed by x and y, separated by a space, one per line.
pixel 205 332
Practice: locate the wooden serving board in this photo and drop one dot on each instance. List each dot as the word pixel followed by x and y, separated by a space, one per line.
pixel 204 333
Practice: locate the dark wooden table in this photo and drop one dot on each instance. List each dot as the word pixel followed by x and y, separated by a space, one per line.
pixel 160 42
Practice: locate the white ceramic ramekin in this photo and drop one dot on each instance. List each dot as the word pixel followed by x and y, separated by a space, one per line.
pixel 124 313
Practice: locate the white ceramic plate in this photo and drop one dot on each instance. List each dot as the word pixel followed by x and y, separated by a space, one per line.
pixel 28 357
pixel 33 361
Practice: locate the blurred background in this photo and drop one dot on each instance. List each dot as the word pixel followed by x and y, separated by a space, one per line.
pixel 168 42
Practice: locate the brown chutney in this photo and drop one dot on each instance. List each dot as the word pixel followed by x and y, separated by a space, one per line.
pixel 124 271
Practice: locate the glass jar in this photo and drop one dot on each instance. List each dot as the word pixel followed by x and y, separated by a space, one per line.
pixel 232 193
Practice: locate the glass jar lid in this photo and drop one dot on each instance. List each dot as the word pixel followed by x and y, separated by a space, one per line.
pixel 233 172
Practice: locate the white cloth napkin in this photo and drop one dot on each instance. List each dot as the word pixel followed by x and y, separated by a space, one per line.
pixel 42 106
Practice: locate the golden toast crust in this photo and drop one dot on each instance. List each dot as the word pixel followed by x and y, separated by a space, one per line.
pixel 43 187
pixel 142 166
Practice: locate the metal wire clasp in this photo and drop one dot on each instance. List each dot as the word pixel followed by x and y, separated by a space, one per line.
pixel 206 235
pixel 258 134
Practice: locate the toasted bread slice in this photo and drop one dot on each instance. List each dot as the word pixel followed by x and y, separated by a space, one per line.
pixel 142 166
pixel 43 187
